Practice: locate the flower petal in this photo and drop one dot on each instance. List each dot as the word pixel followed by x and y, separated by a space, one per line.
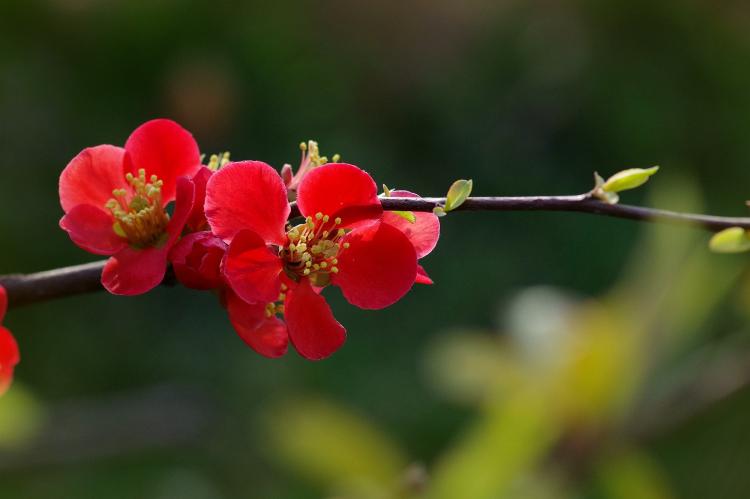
pixel 91 177
pixel 252 269
pixel 91 229
pixel 266 335
pixel 135 271
pixel 183 206
pixel 423 233
pixel 314 331
pixel 339 190
pixel 422 277
pixel 378 268
pixel 247 195
pixel 197 219
pixel 165 149
pixel 9 358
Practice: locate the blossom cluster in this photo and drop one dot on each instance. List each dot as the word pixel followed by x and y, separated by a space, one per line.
pixel 230 227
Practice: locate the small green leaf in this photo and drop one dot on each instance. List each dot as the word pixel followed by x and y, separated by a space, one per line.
pixel 386 191
pixel 439 211
pixel 457 194
pixel 408 215
pixel 628 179
pixel 598 192
pixel 732 240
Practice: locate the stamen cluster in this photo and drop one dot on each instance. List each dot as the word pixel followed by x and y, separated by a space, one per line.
pixel 141 220
pixel 312 249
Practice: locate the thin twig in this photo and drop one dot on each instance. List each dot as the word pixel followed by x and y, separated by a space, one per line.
pixel 25 289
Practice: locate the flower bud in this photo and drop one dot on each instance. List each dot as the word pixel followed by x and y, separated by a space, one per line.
pixel 196 260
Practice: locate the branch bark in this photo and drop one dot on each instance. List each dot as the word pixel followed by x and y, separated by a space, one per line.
pixel 24 289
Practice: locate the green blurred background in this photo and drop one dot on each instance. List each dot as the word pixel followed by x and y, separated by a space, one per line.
pixel 621 377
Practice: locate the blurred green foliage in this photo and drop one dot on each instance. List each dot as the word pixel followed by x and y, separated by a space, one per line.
pixel 522 97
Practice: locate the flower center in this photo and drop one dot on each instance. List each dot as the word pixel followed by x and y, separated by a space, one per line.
pixel 312 249
pixel 139 215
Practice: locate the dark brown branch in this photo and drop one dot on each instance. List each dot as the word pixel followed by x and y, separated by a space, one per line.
pixel 25 289
pixel 582 203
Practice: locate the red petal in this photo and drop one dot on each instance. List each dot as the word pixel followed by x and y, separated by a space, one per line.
pixel 165 149
pixel 91 177
pixel 314 331
pixel 422 277
pixel 252 269
pixel 247 195
pixel 134 271
pixel 91 229
pixel 197 219
pixel 423 233
pixel 9 358
pixel 183 205
pixel 196 260
pixel 378 268
pixel 3 302
pixel 339 190
pixel 266 335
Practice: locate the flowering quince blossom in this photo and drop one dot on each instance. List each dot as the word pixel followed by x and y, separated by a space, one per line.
pixel 115 201
pixel 9 356
pixel 274 268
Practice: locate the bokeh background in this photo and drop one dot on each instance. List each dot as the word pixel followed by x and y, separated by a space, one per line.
pixel 558 355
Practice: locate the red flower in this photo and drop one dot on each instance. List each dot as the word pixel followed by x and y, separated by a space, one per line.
pixel 115 202
pixel 9 356
pixel 345 240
